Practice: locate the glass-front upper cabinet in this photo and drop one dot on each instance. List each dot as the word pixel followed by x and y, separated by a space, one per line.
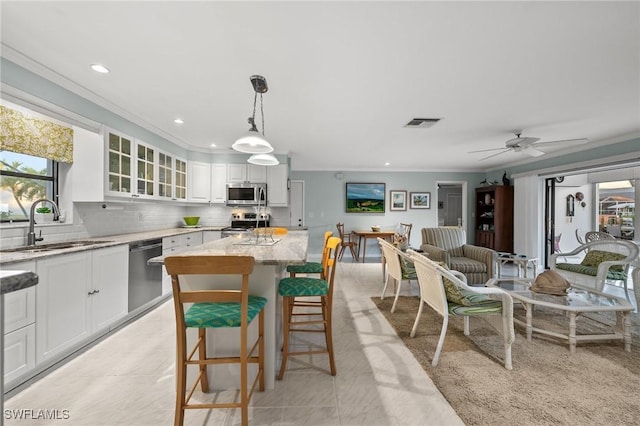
pixel 180 181
pixel 119 151
pixel 165 175
pixel 145 170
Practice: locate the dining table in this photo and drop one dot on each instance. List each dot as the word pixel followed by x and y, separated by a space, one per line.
pixel 365 235
pixel 272 255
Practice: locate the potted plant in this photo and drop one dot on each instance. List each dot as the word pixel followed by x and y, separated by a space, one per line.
pixel 43 215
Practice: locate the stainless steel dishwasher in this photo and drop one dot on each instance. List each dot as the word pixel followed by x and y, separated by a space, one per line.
pixel 145 282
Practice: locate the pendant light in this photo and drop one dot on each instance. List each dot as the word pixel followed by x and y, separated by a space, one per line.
pixel 253 142
pixel 263 160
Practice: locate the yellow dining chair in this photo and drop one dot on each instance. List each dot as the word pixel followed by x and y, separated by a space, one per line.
pixel 292 288
pixel 215 309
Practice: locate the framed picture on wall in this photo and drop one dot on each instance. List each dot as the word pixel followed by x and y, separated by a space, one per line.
pixel 365 197
pixel 420 200
pixel 397 200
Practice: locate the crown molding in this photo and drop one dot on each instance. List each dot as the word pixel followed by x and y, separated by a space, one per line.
pixel 54 77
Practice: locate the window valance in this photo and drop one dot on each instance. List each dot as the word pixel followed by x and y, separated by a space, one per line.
pixel 35 136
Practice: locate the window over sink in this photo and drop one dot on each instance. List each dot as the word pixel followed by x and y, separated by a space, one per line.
pixel 25 179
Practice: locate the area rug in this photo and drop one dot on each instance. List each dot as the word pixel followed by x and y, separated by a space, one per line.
pixel 597 385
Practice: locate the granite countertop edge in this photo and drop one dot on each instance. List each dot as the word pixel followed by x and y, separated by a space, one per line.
pixel 11 281
pixel 103 242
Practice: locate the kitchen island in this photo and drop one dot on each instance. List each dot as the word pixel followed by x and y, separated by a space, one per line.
pixel 271 260
pixel 10 281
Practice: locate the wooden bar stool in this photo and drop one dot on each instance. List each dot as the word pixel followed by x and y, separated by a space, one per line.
pixel 214 309
pixel 292 288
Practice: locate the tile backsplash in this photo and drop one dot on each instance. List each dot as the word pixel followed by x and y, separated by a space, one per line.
pixel 92 220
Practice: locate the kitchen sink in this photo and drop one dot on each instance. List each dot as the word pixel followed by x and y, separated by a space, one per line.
pixel 52 246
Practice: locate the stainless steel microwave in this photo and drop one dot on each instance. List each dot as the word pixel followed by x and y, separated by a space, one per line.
pixel 246 194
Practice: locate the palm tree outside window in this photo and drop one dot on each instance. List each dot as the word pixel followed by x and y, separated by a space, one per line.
pixel 25 179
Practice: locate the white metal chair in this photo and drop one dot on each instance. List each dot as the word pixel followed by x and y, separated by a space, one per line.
pixel 398 269
pixel 597 236
pixel 493 304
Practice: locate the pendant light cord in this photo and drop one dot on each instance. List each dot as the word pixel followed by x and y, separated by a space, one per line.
pixel 253 117
pixel 261 113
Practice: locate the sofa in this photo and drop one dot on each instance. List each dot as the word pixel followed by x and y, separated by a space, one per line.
pixel 448 244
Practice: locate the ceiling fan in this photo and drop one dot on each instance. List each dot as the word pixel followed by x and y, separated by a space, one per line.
pixel 528 145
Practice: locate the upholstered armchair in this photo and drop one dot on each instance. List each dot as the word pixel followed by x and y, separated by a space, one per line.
pixel 448 244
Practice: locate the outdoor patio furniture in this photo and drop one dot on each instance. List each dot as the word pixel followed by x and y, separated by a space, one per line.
pixel 604 261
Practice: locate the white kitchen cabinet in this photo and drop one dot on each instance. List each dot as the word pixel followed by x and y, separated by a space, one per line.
pixel 166 176
pixel 109 285
pixel 175 244
pixel 19 354
pixel 180 180
pixel 113 166
pixel 145 171
pixel 79 295
pixel 62 304
pixel 278 185
pixel 120 163
pixel 219 183
pixel 19 329
pixel 101 167
pixel 192 239
pixel 198 182
pixel 256 174
pixel 238 173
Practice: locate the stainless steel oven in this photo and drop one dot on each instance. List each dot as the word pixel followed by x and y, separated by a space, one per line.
pixel 240 227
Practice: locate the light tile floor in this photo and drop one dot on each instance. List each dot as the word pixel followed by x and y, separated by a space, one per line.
pixel 128 378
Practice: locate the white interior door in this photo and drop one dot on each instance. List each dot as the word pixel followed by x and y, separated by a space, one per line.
pixel 296 203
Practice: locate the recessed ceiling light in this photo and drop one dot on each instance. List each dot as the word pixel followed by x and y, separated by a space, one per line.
pixel 213 145
pixel 100 68
pixel 387 164
pixel 178 121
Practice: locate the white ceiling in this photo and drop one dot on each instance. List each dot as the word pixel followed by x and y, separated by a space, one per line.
pixel 344 77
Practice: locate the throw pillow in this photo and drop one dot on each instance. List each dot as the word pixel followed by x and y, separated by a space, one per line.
pixel 453 292
pixel 596 257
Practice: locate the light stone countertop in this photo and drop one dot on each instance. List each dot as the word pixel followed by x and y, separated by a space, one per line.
pixel 101 242
pixel 291 249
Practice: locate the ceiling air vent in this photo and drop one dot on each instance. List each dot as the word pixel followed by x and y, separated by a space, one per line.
pixel 421 123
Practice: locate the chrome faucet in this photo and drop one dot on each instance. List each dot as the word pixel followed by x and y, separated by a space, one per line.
pixel 31 236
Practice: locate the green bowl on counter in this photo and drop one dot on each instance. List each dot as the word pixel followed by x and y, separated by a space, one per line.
pixel 191 220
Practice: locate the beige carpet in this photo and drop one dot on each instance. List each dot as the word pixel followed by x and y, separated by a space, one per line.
pixel 597 385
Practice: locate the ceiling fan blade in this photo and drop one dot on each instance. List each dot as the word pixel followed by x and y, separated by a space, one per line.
pixel 568 141
pixel 496 154
pixel 486 150
pixel 532 152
